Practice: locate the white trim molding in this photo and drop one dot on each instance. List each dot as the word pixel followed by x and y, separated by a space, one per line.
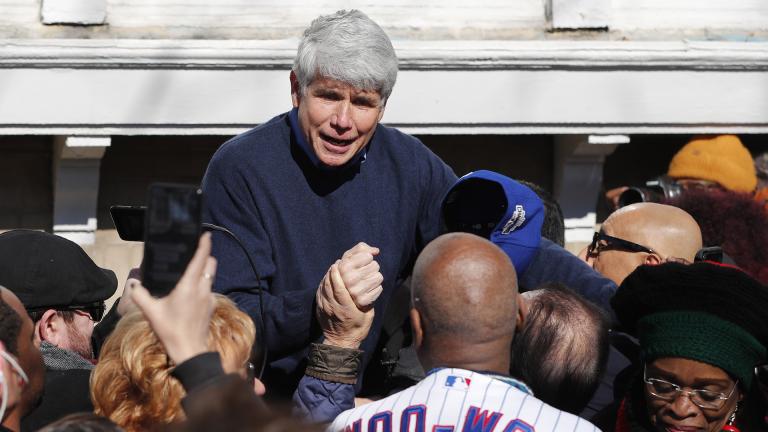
pixel 101 87
pixel 413 55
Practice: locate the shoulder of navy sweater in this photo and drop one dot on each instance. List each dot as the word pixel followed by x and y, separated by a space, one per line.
pixel 393 141
pixel 261 138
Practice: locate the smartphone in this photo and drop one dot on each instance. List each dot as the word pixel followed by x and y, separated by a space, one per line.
pixel 129 221
pixel 171 232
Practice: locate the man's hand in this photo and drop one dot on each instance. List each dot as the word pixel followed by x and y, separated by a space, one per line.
pixel 181 319
pixel 360 274
pixel 344 324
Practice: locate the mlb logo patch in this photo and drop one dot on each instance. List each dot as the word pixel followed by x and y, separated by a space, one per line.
pixel 457 382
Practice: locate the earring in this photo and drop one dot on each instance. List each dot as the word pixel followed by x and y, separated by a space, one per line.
pixel 730 425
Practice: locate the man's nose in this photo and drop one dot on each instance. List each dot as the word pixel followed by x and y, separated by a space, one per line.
pixel 341 118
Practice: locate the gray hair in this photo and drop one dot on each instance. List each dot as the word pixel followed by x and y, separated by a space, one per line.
pixel 347 46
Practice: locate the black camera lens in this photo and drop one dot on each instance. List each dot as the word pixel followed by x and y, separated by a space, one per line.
pixel 637 195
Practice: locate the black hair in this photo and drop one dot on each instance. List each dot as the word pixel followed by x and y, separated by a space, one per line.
pixel 10 327
pixel 553 227
pixel 562 350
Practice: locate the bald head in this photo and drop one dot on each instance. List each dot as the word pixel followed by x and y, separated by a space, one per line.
pixel 465 288
pixel 668 230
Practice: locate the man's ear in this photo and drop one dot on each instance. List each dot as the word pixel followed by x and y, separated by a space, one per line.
pixel 295 90
pixel 522 313
pixel 50 328
pixel 585 256
pixel 652 259
pixel 416 328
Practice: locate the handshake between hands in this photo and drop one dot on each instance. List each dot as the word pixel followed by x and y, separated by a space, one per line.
pixel 345 300
pixel 346 296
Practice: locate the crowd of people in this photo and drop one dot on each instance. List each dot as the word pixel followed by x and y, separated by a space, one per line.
pixel 377 291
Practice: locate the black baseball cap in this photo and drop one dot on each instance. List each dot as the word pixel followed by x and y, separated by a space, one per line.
pixel 48 271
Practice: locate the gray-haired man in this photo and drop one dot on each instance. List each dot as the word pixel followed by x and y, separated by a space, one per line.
pixel 321 183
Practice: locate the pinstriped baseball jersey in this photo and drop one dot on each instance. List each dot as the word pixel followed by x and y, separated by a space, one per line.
pixel 458 400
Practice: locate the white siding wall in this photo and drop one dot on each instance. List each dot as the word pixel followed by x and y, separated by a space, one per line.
pixel 294 15
pixel 690 14
pixel 406 19
pixel 218 66
pixel 19 12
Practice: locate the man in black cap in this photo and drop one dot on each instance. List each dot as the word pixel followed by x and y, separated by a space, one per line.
pixel 63 291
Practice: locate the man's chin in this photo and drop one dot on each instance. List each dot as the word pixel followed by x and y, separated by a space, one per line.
pixel 333 160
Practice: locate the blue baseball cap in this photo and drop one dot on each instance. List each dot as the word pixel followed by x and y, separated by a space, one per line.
pixel 498 208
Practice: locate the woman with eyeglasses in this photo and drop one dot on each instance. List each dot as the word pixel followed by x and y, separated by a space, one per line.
pixel 702 329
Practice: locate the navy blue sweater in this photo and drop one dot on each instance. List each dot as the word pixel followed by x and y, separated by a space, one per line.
pixel 296 219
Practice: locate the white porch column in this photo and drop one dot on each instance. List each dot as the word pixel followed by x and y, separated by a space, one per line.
pixel 76 165
pixel 578 175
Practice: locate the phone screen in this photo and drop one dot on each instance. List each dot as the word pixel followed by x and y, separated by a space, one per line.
pixel 171 233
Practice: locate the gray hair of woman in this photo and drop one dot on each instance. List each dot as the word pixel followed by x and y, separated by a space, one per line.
pixel 347 46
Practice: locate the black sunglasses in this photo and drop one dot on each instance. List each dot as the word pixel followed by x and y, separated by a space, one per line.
pixel 94 310
pixel 602 241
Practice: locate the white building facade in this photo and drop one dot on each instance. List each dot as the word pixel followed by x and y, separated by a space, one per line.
pixel 554 85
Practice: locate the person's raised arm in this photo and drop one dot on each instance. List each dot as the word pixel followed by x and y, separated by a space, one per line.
pixel 328 388
pixel 181 319
pixel 552 263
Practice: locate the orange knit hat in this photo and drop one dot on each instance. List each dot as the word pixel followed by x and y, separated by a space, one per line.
pixel 720 158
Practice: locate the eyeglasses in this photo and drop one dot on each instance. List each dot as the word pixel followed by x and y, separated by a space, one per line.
pixel 95 311
pixel 705 399
pixel 697 184
pixel 602 241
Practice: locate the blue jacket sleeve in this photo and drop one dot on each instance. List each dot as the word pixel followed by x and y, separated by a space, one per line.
pixel 230 204
pixel 322 401
pixel 552 263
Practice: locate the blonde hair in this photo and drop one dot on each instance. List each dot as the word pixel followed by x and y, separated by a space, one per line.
pixel 132 383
